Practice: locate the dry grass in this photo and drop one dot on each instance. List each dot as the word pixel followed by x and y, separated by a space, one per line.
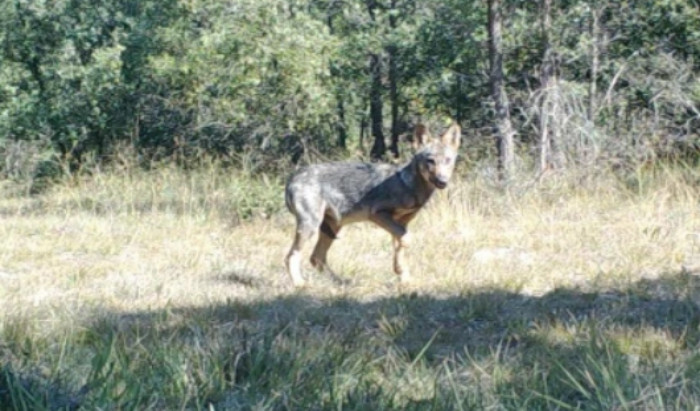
pixel 166 290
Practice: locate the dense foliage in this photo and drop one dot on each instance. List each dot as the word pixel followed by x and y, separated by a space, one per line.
pixel 270 80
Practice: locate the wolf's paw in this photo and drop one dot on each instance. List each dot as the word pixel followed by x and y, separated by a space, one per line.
pixel 298 282
pixel 403 272
pixel 317 263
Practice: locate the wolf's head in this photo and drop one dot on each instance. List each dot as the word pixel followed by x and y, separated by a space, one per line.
pixel 435 159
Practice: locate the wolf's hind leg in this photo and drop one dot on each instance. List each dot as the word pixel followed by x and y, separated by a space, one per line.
pixel 329 231
pixel 293 260
pixel 308 222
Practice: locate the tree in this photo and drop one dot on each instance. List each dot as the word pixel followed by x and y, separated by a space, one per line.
pixel 503 128
pixel 392 52
pixel 547 113
pixel 376 117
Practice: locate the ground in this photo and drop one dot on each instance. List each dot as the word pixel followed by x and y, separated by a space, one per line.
pixel 155 292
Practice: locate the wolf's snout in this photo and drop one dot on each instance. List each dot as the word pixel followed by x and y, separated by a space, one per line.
pixel 439 182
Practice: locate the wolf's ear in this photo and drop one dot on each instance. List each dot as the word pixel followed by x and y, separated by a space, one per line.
pixel 452 136
pixel 421 136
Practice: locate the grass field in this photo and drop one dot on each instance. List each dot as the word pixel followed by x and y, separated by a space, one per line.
pixel 166 290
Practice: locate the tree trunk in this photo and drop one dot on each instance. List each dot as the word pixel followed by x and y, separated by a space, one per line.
pixel 363 130
pixel 393 86
pixel 340 126
pixel 503 127
pixel 594 33
pixel 546 84
pixel 394 99
pixel 375 107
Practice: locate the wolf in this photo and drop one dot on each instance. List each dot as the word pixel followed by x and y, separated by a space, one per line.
pixel 325 197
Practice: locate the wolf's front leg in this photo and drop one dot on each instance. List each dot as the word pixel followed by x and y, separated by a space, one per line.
pixel 400 267
pixel 400 236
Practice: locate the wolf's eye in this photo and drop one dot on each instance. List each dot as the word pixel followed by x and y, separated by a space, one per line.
pixel 430 162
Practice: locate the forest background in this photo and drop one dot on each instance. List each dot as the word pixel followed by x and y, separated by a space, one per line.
pixel 268 83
